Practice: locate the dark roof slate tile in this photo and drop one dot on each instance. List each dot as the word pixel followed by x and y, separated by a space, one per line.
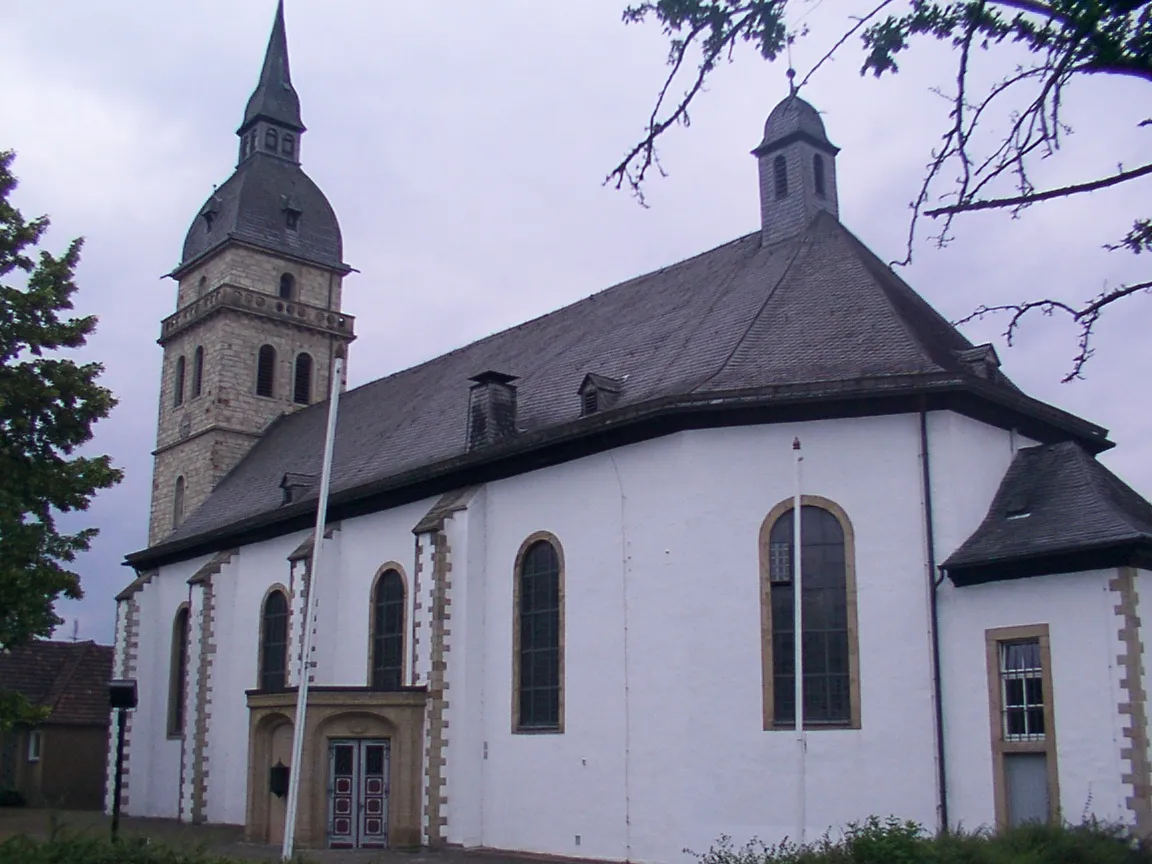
pixel 70 678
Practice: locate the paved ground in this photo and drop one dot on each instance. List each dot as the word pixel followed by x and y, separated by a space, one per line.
pixel 221 839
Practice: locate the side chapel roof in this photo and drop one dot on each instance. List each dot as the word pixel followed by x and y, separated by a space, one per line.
pixel 69 678
pixel 1056 506
pixel 814 326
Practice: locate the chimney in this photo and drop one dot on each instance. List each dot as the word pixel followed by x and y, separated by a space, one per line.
pixel 491 409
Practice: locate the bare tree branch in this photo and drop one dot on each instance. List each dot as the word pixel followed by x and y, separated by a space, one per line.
pixel 1022 200
pixel 851 32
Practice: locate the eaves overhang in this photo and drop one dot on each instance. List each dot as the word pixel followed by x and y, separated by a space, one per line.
pixel 232 239
pixel 1135 552
pixel 629 424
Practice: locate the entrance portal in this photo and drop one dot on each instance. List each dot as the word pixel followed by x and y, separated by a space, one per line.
pixel 358 793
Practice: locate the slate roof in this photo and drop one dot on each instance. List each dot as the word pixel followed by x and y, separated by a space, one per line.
pixel 1057 510
pixel 794 118
pixel 251 208
pixel 70 678
pixel 810 322
pixel 275 98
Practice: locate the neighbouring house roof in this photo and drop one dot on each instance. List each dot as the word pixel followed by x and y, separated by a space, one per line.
pixel 70 678
pixel 1058 510
pixel 813 326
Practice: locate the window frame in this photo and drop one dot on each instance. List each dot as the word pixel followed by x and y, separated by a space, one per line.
pixel 262 657
pixel 296 369
pixel 35 750
pixel 178 671
pixel 180 375
pixel 994 639
pixel 287 284
pixel 391 566
pixel 197 371
pixel 780 176
pixel 179 494
pixel 517 580
pixel 767 665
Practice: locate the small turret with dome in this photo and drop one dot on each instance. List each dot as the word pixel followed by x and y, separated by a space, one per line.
pixel 797 169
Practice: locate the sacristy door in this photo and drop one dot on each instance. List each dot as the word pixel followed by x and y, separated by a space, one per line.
pixel 358 793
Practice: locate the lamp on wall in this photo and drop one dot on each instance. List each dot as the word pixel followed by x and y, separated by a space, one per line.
pixel 278 776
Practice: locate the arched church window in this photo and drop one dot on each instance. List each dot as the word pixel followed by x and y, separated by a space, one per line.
pixel 388 631
pixel 818 174
pixel 831 674
pixel 780 172
pixel 270 141
pixel 287 284
pixel 198 371
pixel 201 286
pixel 178 388
pixel 178 673
pixel 266 371
pixel 274 642
pixel 178 503
pixel 538 636
pixel 288 144
pixel 302 383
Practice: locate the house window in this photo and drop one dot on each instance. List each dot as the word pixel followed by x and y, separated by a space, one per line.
pixel 590 403
pixel 287 283
pixel 302 383
pixel 1025 777
pixel 178 503
pixel 780 172
pixel 274 642
pixel 270 141
pixel 266 371
pixel 538 637
pixel 388 631
pixel 178 390
pixel 818 174
pixel 831 664
pixel 198 371
pixel 178 673
pixel 288 144
pixel 35 745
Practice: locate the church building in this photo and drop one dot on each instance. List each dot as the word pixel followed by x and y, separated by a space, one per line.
pixel 555 606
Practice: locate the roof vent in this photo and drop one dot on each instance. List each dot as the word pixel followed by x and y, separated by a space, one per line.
pixel 982 361
pixel 295 485
pixel 491 409
pixel 598 393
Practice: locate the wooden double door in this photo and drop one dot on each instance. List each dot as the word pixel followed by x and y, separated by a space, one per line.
pixel 358 792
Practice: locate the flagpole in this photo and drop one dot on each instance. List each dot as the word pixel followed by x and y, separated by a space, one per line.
pixel 305 665
pixel 798 637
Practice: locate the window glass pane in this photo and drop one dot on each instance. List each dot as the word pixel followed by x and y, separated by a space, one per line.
pixel 342 760
pixel 388 620
pixel 374 760
pixel 539 625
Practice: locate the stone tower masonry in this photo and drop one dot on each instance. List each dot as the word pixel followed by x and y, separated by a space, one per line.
pixel 257 318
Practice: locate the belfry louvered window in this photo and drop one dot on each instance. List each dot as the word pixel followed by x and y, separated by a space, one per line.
pixel 178 387
pixel 287 284
pixel 271 142
pixel 302 382
pixel 198 371
pixel 388 631
pixel 266 371
pixel 274 642
pixel 818 175
pixel 178 503
pixel 780 175
pixel 539 638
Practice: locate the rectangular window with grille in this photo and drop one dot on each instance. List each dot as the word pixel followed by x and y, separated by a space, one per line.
pixel 1022 691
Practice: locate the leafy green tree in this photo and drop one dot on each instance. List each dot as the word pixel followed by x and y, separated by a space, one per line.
pixel 48 404
pixel 1031 51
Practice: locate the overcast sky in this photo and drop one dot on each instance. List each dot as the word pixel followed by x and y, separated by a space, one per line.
pixel 463 145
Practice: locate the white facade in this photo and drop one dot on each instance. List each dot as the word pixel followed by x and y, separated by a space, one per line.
pixel 663 744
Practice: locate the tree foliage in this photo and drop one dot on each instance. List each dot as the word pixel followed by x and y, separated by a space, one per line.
pixel 1030 50
pixel 48 404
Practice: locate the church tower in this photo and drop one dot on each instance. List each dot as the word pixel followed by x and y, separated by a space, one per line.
pixel 257 320
pixel 797 170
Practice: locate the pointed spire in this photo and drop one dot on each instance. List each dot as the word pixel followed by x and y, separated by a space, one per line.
pixel 274 98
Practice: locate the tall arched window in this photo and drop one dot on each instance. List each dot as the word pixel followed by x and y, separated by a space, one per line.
pixel 178 503
pixel 178 673
pixel 538 636
pixel 302 383
pixel 270 141
pixel 274 642
pixel 780 173
pixel 178 389
pixel 198 371
pixel 266 371
pixel 388 631
pixel 831 658
pixel 287 283
pixel 818 174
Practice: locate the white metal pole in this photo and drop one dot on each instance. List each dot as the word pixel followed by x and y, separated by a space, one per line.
pixel 798 647
pixel 305 665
